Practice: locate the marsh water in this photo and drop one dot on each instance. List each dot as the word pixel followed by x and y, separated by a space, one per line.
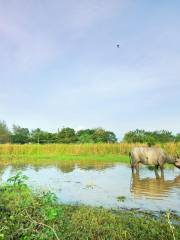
pixel 110 185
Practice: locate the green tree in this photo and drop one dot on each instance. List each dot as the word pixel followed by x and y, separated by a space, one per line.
pixel 66 135
pixel 100 135
pixel 148 137
pixel 163 136
pixel 39 136
pixel 96 135
pixel 135 136
pixel 177 137
pixel 85 136
pixel 20 135
pixel 150 140
pixel 36 135
pixel 110 137
pixel 4 133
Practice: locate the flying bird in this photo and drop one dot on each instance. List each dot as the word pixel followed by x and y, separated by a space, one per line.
pixel 117 45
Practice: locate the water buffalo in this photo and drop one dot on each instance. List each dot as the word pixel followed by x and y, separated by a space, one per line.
pixel 151 156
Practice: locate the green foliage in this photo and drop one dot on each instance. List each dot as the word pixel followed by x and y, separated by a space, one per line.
pixel 18 179
pixel 151 138
pixel 49 213
pixel 97 135
pixel 85 136
pixel 110 137
pixel 49 197
pixel 20 135
pixel 67 135
pixel 4 133
pixel 177 138
pixel 39 136
pixel 100 135
pixel 27 215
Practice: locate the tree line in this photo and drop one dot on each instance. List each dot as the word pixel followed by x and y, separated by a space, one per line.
pixel 151 137
pixel 20 135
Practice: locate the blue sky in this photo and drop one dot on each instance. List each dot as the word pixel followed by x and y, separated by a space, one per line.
pixel 60 66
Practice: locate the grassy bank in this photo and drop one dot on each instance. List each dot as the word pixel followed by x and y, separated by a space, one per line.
pixel 66 149
pixel 39 216
pixel 111 152
pixel 65 157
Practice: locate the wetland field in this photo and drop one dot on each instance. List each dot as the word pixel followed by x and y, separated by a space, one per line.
pixel 85 192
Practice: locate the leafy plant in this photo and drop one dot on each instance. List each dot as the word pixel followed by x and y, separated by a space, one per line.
pixel 49 197
pixel 18 179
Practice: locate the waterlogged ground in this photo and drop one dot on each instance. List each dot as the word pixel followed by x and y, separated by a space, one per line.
pixel 110 185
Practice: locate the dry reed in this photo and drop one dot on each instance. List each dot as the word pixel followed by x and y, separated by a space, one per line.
pixel 78 149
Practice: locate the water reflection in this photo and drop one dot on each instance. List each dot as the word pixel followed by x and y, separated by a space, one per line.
pixel 70 181
pixel 64 166
pixel 157 187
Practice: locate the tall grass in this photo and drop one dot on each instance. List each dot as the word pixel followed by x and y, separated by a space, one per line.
pixel 77 149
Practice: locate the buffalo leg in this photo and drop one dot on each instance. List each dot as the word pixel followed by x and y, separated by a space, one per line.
pixel 162 170
pixel 156 171
pixel 132 167
pixel 137 167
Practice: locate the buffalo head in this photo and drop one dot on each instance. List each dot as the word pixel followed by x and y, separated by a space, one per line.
pixel 177 161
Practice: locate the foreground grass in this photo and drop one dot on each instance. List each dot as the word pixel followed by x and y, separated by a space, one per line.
pixel 27 215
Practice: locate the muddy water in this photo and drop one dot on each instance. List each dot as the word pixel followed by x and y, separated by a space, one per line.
pixel 103 184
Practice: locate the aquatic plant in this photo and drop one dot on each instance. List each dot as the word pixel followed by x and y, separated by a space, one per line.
pixel 121 198
pixel 90 185
pixel 19 179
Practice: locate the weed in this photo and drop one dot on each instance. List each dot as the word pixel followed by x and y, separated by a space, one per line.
pixel 170 225
pixel 18 179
